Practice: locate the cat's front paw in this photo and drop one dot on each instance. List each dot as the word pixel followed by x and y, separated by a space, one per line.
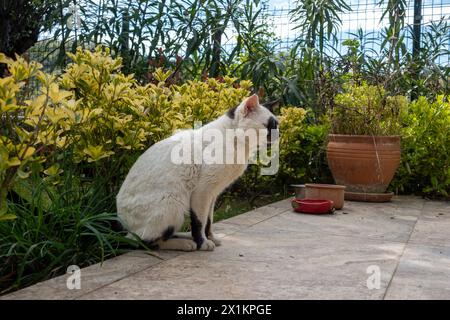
pixel 214 239
pixel 207 245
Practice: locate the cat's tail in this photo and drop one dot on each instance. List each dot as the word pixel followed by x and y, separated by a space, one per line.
pixel 118 227
pixel 140 243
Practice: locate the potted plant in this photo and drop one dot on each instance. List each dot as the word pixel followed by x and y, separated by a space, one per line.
pixel 363 149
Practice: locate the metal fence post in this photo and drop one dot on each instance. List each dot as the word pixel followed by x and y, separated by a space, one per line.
pixel 417 27
pixel 416 40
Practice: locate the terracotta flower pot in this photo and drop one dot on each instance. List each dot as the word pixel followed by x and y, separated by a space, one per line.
pixel 364 164
pixel 299 191
pixel 326 191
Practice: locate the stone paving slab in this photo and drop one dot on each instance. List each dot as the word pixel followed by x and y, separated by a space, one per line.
pixel 283 271
pixel 423 273
pixel 274 253
pixel 93 277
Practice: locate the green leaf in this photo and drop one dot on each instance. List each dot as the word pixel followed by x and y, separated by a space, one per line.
pixel 434 182
pixel 24 189
pixel 22 174
pixel 6 217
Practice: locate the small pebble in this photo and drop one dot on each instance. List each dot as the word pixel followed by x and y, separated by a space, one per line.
pixel 241 255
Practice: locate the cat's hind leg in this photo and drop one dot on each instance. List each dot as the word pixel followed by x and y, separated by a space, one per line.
pixel 177 244
pixel 169 241
pixel 183 235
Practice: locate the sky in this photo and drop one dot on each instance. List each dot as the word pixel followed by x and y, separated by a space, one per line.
pixel 365 14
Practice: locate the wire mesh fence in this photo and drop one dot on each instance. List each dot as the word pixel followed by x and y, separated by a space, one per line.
pixel 365 16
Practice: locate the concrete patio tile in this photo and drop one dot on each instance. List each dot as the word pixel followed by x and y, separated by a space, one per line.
pixel 92 277
pixel 224 280
pixel 436 207
pixel 412 206
pixel 222 229
pixel 263 262
pixel 255 216
pixel 264 269
pixel 423 273
pixel 262 242
pixel 358 223
pixel 406 202
pixel 432 230
pixel 284 204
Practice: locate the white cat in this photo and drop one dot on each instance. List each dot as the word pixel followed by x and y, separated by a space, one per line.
pixel 157 193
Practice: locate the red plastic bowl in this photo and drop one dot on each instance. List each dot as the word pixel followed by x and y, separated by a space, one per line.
pixel 315 206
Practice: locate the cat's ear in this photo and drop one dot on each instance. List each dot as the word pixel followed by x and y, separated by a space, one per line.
pixel 271 105
pixel 250 104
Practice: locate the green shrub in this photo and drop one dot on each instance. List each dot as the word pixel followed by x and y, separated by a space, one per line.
pixel 425 163
pixel 367 110
pixel 302 147
pixel 25 132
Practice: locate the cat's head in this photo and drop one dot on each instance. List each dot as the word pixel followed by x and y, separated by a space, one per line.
pixel 249 114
